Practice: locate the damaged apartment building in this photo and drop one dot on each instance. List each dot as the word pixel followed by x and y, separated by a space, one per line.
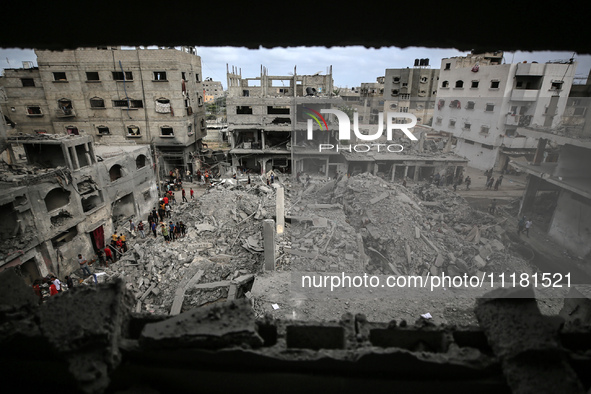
pixel 114 95
pixel 268 116
pixel 64 195
pixel 482 102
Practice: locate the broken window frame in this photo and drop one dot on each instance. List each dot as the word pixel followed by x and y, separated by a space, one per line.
pixel 65 105
pixel 119 76
pixel 474 84
pixel 102 130
pixel 133 131
pixel 467 126
pixel 97 100
pixel 445 84
pixel 484 129
pixel 90 76
pixel 34 110
pixel 190 130
pixel 470 105
pixel 57 76
pixel 72 130
pixel 489 107
pixel 495 84
pixel 166 131
pixel 452 123
pixel 159 76
pixel 29 84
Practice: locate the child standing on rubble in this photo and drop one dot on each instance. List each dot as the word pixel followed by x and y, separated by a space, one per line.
pixel 468 182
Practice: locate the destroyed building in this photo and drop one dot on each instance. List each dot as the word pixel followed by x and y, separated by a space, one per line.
pixel 481 102
pixel 115 96
pixel 66 197
pixel 267 117
pixel 558 193
pixel 412 90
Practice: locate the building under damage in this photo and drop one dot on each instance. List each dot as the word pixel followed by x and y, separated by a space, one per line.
pixel 114 95
pixel 65 197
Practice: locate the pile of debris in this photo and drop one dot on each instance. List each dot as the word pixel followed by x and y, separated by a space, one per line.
pixel 220 252
pixel 418 230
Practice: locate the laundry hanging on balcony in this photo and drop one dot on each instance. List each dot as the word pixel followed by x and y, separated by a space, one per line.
pixel 162 108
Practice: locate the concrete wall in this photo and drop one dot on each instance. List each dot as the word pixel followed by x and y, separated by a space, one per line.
pixel 478 157
pixel 571 223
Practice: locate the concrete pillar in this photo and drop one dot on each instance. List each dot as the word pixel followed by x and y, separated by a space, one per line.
pixel 416 175
pixel 405 171
pixel 529 197
pixel 269 244
pixel 66 153
pixel 393 172
pixel 280 209
pixel 375 168
pixel 539 157
pixel 87 153
pixel 74 157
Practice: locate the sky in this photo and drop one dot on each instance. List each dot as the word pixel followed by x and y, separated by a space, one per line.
pixel 351 65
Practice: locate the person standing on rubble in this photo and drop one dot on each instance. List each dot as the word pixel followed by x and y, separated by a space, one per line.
pixel 140 228
pixel 184 195
pixel 192 194
pixel 171 231
pixel 498 182
pixel 153 227
pixel 493 206
pixel 183 229
pixel 177 231
pixel 164 231
pixel 521 225
pixel 528 224
pixel 83 265
pixel 168 211
pixel 490 182
pixel 468 182
pixel 123 242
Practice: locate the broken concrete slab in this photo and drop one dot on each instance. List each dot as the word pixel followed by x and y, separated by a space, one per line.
pixel 479 261
pixel 211 327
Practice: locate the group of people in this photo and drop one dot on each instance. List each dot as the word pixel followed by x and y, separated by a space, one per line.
pixel 172 231
pixel 53 284
pixel 490 180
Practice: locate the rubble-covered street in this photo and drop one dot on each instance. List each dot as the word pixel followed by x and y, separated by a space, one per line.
pixel 361 224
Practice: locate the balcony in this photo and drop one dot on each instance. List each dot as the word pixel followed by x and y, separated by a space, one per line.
pixel 524 95
pixel 518 120
pixel 65 113
pixel 534 69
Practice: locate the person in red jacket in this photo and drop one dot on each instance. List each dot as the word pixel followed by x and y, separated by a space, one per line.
pixel 52 289
pixel 109 255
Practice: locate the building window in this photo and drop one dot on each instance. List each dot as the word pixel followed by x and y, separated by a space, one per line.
pixel 580 111
pixel 494 84
pixel 34 110
pixel 424 79
pixel 404 109
pixel 65 106
pixel 445 84
pixel 97 102
pixel 28 82
pixel 459 84
pixel 438 120
pixel 490 147
pixel 395 79
pixel 72 130
pixel 160 76
pixel 556 85
pixel 103 130
pixel 166 131
pixel 490 107
pixel 197 78
pixel 474 84
pixel 404 84
pixel 470 105
pixel 132 103
pixel 484 129
pixel 202 124
pixel 243 110
pixel 122 76
pixel 452 123
pixel 394 92
pixel 246 93
pixel 469 142
pixel 455 104
pixel 60 77
pixel 133 131
pixel 92 76
pixel 447 66
pixel 190 129
pixel 405 96
pixel 183 76
pixel 467 126
pixel 199 101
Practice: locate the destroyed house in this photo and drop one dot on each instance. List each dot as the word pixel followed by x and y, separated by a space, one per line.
pixel 67 198
pixel 268 118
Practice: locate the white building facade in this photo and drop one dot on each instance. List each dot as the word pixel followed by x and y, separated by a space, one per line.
pixel 481 102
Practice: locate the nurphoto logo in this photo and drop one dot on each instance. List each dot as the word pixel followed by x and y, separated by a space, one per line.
pixel 345 130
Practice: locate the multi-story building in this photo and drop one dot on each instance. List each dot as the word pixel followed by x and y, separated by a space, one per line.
pixel 267 116
pixel 482 102
pixel 212 90
pixel 65 196
pixel 411 90
pixel 115 96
